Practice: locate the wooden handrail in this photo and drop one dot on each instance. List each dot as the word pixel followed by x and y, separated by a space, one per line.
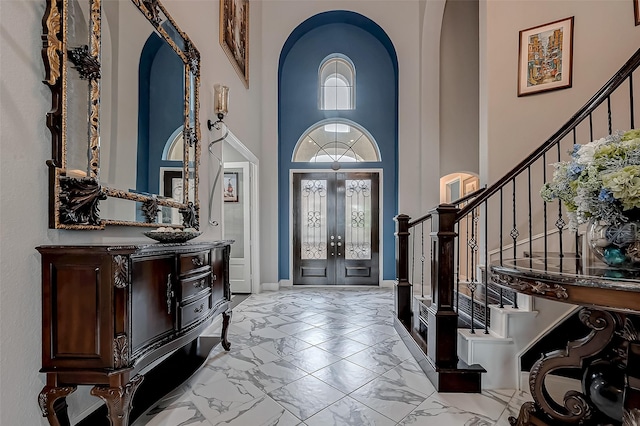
pixel 420 220
pixel 469 196
pixel 577 118
pixel 455 203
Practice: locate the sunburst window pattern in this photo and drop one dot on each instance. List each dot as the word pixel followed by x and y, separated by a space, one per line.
pixel 336 141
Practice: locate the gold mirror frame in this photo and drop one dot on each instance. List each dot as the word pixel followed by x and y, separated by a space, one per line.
pixel 74 202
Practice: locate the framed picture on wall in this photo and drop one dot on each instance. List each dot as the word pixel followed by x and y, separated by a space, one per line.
pixel 234 35
pixel 230 188
pixel 545 58
pixel 636 11
pixel 470 185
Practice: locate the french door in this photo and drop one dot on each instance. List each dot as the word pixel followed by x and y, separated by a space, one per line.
pixel 335 228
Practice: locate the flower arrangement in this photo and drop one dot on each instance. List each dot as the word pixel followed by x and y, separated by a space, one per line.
pixel 601 182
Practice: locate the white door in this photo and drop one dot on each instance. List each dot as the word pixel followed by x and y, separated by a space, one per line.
pixel 237 224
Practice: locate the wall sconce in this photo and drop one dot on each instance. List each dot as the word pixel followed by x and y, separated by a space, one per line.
pixel 221 105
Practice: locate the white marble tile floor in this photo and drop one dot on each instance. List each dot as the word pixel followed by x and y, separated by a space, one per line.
pixel 321 357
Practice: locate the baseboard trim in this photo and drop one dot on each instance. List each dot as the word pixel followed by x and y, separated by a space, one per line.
pixel 270 286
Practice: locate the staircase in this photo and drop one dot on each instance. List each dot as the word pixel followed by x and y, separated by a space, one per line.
pixel 465 324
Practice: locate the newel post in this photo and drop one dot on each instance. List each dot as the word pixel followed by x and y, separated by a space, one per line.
pixel 443 320
pixel 403 291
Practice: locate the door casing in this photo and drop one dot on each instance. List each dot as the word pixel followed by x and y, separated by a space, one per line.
pixel 289 282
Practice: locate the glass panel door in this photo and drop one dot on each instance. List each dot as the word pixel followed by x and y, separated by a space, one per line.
pixel 335 227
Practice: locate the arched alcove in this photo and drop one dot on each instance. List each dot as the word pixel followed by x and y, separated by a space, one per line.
pixel 373 55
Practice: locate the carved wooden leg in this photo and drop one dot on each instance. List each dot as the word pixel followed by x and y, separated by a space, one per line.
pixel 632 388
pixel 118 400
pixel 47 398
pixel 226 319
pixel 577 407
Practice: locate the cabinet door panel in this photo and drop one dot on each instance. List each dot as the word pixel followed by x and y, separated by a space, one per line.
pixel 218 275
pixel 152 300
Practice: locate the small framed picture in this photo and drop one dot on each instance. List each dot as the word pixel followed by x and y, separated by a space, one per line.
pixel 230 188
pixel 636 11
pixel 545 58
pixel 470 185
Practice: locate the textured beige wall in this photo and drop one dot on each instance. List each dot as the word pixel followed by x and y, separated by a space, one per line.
pixel 605 36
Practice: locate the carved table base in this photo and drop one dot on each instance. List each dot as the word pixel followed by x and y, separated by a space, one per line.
pixel 608 358
pixel 118 400
pixel 226 319
pixel 47 399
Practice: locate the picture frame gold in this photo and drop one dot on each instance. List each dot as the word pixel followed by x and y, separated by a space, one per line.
pixel 234 35
pixel 545 57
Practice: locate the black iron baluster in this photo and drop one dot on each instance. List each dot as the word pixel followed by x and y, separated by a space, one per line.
pixel 467 250
pixel 560 223
pixel 609 112
pixel 530 223
pixel 486 267
pixel 501 243
pixel 472 284
pixel 422 258
pixel 471 244
pixel 458 267
pixel 590 128
pixel 631 101
pixel 514 233
pixel 544 211
pixel 472 289
pixel 412 244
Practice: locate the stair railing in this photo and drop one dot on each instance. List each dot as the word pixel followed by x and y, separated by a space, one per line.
pixel 505 221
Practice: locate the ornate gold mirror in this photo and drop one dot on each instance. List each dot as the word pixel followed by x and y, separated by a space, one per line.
pixel 124 121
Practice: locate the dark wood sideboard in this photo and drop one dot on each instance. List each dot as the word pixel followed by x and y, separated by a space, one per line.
pixel 110 311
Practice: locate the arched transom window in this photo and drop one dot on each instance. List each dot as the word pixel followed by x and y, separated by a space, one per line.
pixel 174 147
pixel 337 82
pixel 336 140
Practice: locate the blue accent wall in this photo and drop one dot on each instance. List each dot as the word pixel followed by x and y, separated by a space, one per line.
pixel 376 65
pixel 160 109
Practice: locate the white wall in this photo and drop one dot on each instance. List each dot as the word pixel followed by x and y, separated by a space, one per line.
pixel 459 88
pixel 25 146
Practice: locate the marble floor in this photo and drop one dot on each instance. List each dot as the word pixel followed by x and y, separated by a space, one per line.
pixel 321 357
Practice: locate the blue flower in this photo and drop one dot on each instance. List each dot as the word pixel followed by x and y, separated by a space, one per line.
pixel 576 148
pixel 605 195
pixel 574 171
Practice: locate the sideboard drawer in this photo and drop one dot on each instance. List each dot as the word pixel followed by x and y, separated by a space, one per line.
pixel 191 312
pixel 190 287
pixel 194 262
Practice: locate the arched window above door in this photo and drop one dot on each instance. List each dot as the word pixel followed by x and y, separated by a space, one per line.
pixel 336 140
pixel 336 81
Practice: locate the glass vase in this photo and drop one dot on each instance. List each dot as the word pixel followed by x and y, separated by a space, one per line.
pixel 616 244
